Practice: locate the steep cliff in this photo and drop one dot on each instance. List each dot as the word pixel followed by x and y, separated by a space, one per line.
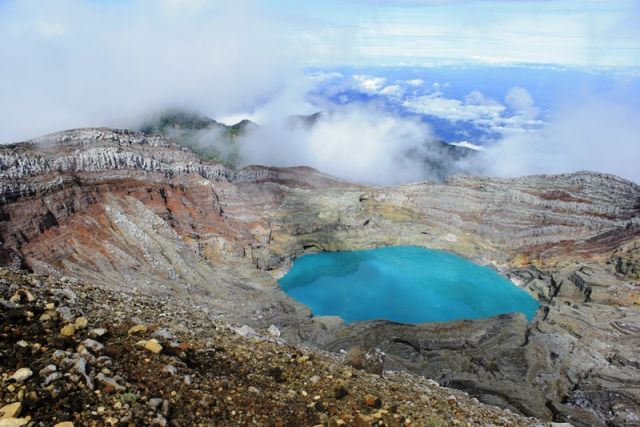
pixel 135 211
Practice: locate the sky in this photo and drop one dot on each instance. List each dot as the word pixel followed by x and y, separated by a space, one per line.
pixel 530 82
pixel 570 32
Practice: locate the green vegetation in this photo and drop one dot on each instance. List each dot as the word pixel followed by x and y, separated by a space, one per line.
pixel 209 139
pixel 128 397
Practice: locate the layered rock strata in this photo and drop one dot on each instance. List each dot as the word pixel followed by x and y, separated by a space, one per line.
pixel 129 210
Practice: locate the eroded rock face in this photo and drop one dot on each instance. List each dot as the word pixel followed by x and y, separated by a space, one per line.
pixel 135 211
pixel 576 361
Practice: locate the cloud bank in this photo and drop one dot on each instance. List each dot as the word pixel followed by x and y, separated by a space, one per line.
pixel 590 133
pixel 358 143
pixel 370 145
pixel 74 63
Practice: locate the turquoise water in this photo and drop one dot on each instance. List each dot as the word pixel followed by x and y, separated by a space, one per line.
pixel 404 284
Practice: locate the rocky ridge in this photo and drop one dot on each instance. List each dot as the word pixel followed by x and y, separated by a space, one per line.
pixel 137 212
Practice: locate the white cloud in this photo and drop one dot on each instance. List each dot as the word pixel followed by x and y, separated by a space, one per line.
pixel 369 84
pixel 469 145
pixel 481 111
pixel 75 63
pixel 392 90
pixel 324 76
pixel 358 143
pixel 521 101
pixel 415 82
pixel 475 108
pixel 475 97
pixel 376 85
pixel 590 133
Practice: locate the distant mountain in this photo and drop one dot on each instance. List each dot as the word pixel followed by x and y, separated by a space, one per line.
pixel 215 141
pixel 208 138
pixel 180 119
pixel 306 120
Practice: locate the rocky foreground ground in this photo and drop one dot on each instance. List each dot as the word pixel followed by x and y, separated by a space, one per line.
pixel 75 354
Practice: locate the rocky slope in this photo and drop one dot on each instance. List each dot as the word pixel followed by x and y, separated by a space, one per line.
pixel 132 211
pixel 75 353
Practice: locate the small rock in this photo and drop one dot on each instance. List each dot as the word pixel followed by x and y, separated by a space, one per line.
pixel 159 420
pixel 273 331
pixel 22 374
pixel 374 361
pixel 170 369
pixel 372 401
pixel 81 322
pixel 49 369
pixel 254 390
pixel 153 346
pixel 65 313
pixel 154 402
pixel 314 379
pixel 97 333
pixel 164 409
pixel 52 378
pixel 13 422
pixel 246 331
pixel 22 295
pixel 137 329
pixel 64 424
pixel 92 345
pixel 452 400
pixel 332 410
pixel 340 392
pixel 67 293
pixel 11 411
pixel 109 382
pixel 80 367
pixel 104 360
pixel 68 331
pixel 163 333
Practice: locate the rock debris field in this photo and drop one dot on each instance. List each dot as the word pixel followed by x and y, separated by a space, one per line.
pixel 74 354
